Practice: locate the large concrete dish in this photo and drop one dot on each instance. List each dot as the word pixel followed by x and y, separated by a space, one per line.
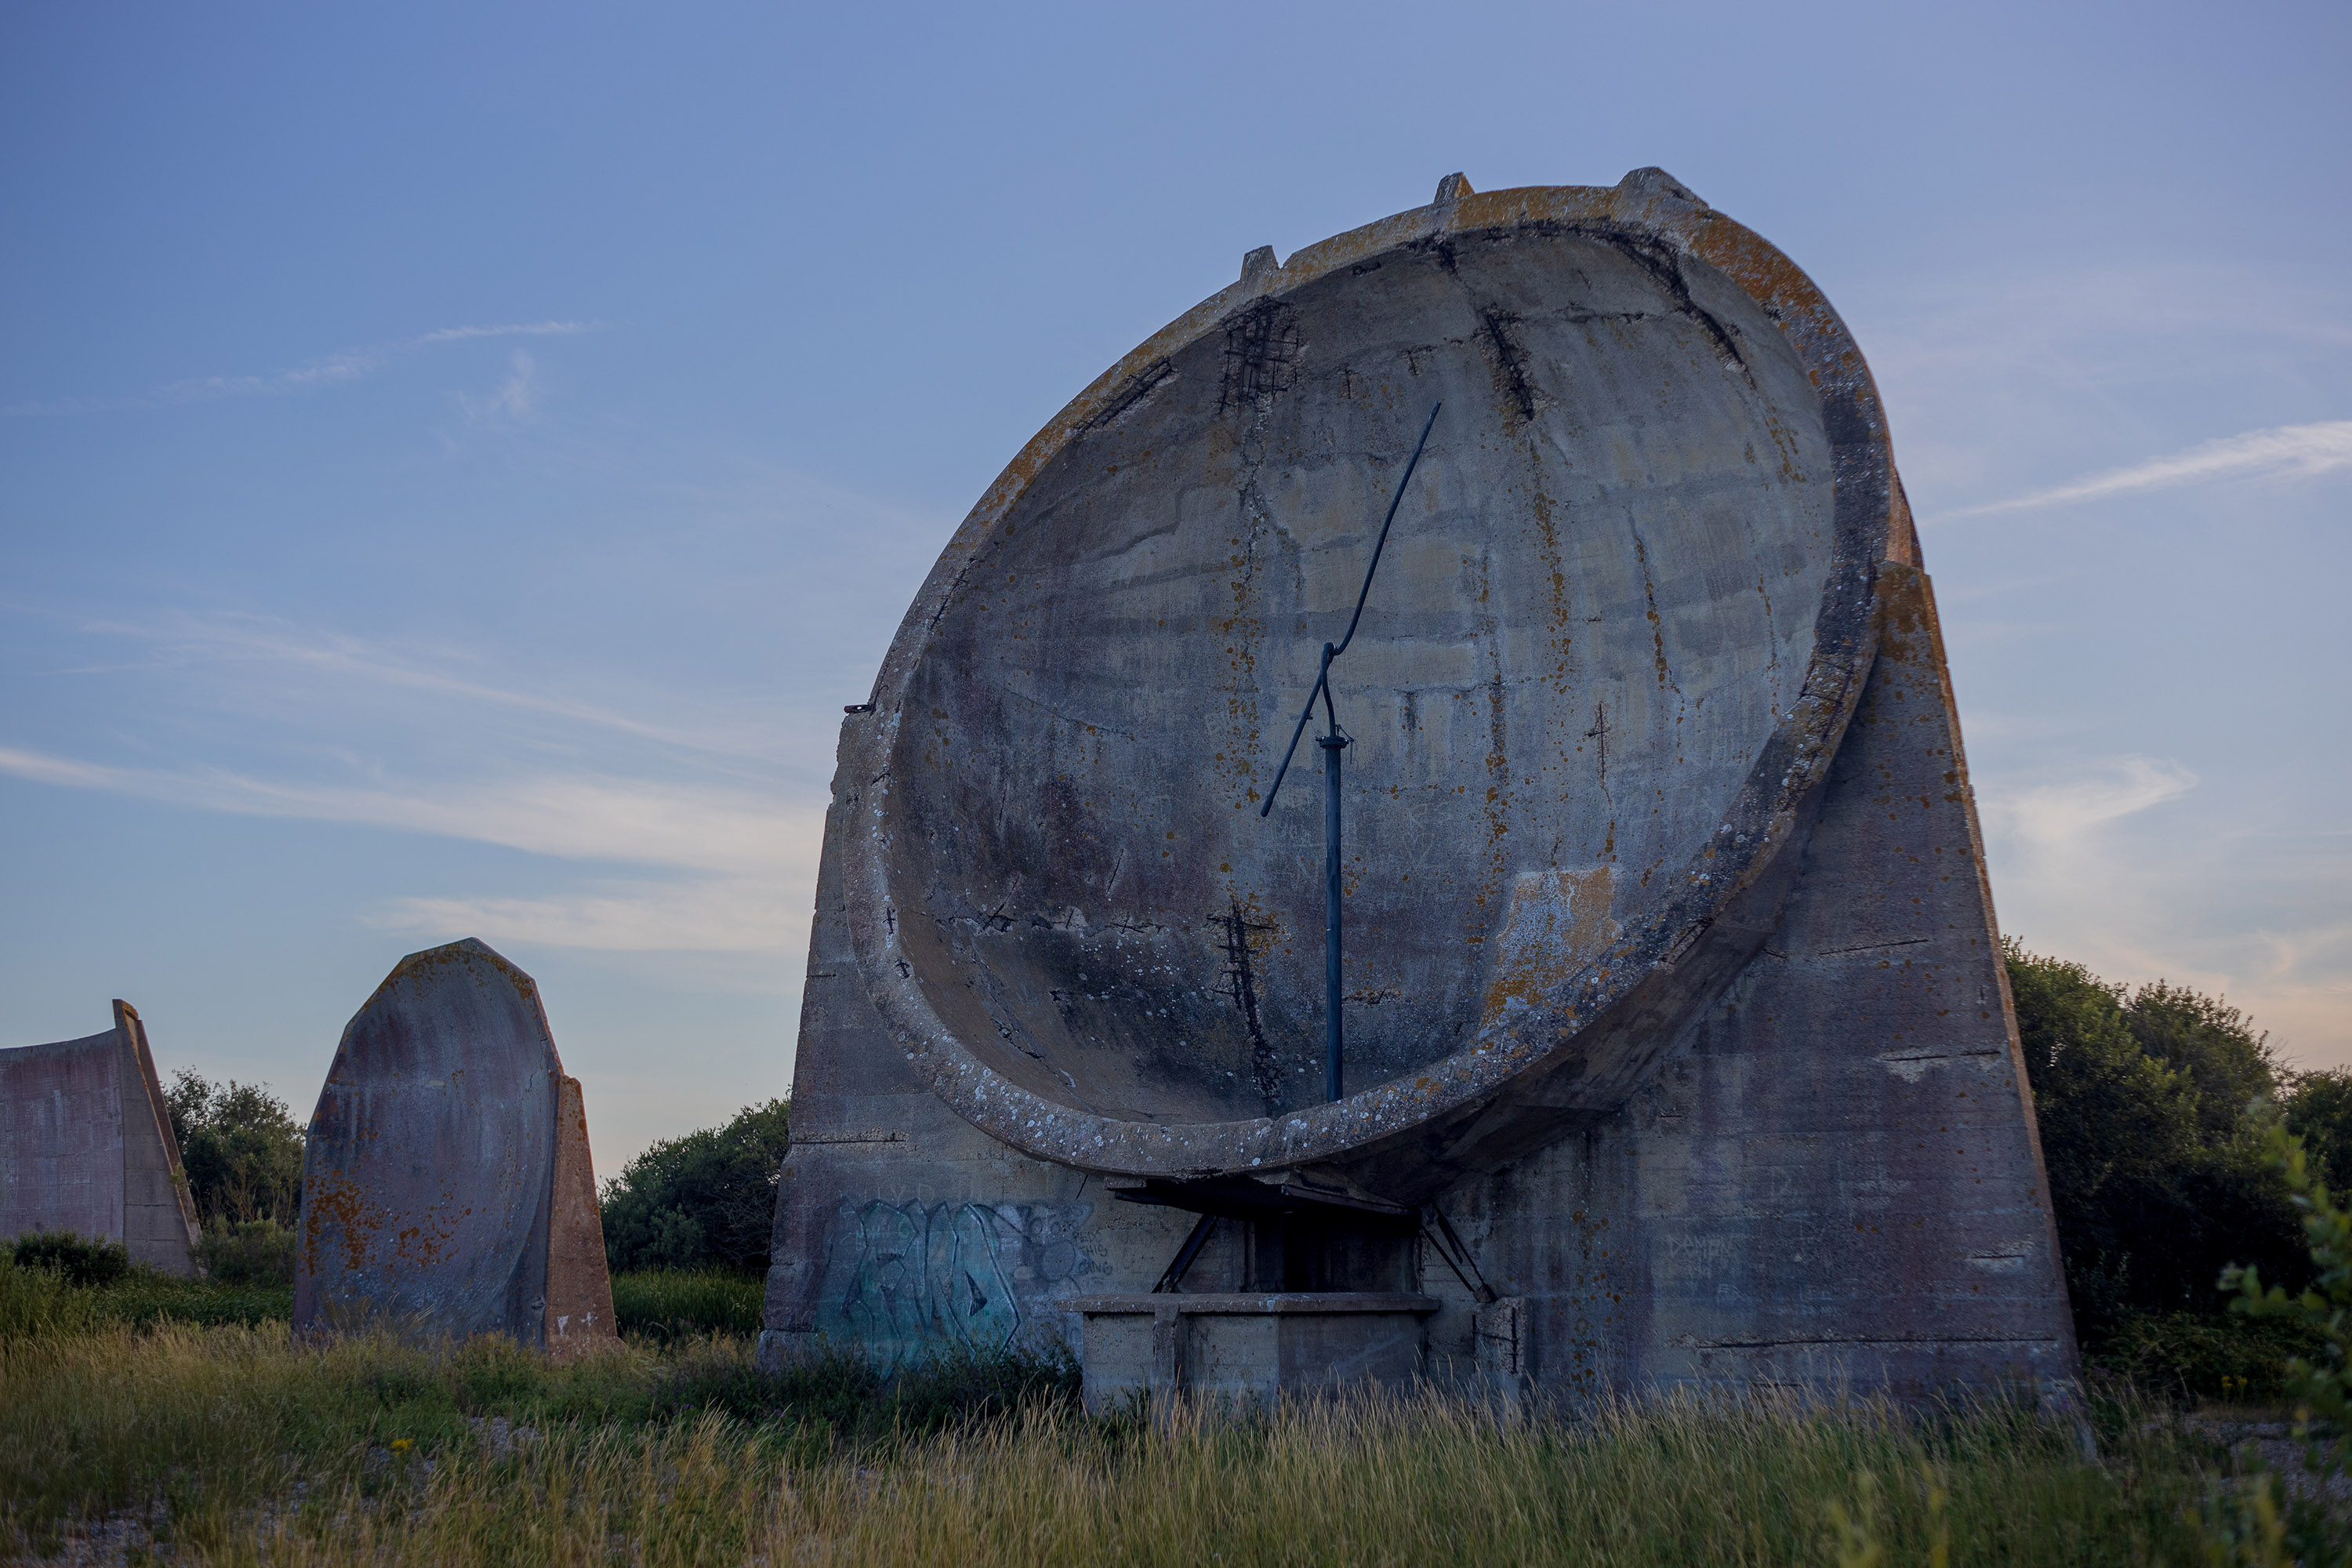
pixel 1624 618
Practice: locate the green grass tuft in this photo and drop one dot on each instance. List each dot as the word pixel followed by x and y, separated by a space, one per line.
pixel 671 1305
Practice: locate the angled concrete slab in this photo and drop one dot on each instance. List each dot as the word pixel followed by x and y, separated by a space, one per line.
pixel 447 1188
pixel 86 1146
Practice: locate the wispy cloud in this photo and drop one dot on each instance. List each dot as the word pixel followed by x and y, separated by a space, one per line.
pixel 513 398
pixel 254 640
pixel 572 816
pixel 2085 866
pixel 732 861
pixel 712 914
pixel 530 330
pixel 749 858
pixel 2056 818
pixel 329 369
pixel 2288 450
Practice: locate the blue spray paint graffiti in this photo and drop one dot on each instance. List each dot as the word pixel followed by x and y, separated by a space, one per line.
pixel 900 1278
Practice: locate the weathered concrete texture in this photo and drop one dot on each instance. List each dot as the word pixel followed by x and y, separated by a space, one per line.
pixel 1672 975
pixel 901 1227
pixel 446 1190
pixel 579 1316
pixel 1626 613
pixel 1249 1347
pixel 86 1146
pixel 1835 1177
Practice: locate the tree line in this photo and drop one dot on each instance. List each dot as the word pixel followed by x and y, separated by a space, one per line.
pixel 2156 1107
pixel 2155 1104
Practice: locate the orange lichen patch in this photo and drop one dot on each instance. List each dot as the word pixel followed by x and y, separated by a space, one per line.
pixel 1559 923
pixel 1756 266
pixel 333 1200
pixel 1901 613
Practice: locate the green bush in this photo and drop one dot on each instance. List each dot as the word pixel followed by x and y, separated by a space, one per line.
pixel 81 1260
pixel 2155 1107
pixel 36 1301
pixel 248 1252
pixel 241 1147
pixel 2308 1526
pixel 147 1297
pixel 40 1300
pixel 704 1201
pixel 855 1399
pixel 2186 1354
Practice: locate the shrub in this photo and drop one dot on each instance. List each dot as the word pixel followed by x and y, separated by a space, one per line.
pixel 2312 1529
pixel 81 1260
pixel 2183 1354
pixel 704 1201
pixel 147 1297
pixel 248 1252
pixel 2154 1109
pixel 860 1402
pixel 34 1302
pixel 241 1147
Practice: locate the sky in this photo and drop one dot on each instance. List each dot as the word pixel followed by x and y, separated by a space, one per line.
pixel 456 461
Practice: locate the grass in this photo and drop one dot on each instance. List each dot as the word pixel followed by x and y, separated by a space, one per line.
pixel 670 1304
pixel 231 1445
pixel 226 1442
pixel 38 1302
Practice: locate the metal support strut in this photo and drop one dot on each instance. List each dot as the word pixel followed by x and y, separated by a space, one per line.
pixel 1334 1030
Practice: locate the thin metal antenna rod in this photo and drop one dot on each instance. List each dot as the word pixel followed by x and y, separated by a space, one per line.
pixel 1333 742
pixel 1323 674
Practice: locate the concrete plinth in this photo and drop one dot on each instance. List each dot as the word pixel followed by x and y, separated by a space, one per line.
pixel 86 1146
pixel 1249 1347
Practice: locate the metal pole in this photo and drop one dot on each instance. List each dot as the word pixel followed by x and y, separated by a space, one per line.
pixel 1333 742
pixel 1334 1030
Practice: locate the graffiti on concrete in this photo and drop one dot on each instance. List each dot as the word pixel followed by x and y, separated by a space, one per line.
pixel 903 1279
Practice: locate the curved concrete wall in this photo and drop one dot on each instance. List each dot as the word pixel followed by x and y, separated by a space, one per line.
pixel 86 1146
pixel 446 1159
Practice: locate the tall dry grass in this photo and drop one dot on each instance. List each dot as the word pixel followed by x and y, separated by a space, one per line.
pixel 235 1446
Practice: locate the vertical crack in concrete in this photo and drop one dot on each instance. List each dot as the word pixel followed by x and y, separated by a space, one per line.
pixel 1510 358
pixel 1665 269
pixel 1242 989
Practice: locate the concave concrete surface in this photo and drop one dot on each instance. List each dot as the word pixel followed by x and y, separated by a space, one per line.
pixel 1621 623
pixel 447 1158
pixel 86 1146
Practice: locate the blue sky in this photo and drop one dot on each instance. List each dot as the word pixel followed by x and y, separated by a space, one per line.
pixel 456 461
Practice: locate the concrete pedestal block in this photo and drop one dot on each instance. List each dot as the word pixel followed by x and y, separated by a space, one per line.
pixel 1249 1347
pixel 86 1146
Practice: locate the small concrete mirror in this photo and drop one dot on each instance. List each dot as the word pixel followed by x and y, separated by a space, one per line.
pixel 446 1186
